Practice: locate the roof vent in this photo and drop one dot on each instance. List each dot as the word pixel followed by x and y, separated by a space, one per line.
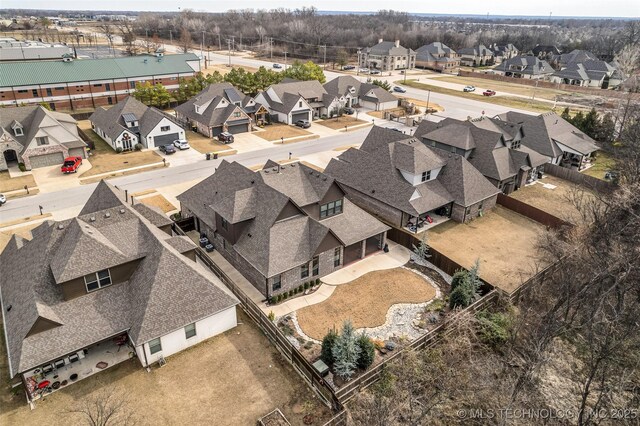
pixel 266 171
pixel 92 219
pixel 121 211
pixel 60 226
pixel 275 169
pixel 311 172
pixel 9 308
pixel 107 214
pixel 253 181
pixel 373 191
pixel 249 235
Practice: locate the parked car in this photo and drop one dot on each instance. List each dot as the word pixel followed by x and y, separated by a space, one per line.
pixel 489 92
pixel 399 89
pixel 168 149
pixel 469 88
pixel 365 70
pixel 3 199
pixel 225 137
pixel 181 144
pixel 374 72
pixel 278 66
pixel 348 110
pixel 303 123
pixel 71 165
pixel 348 67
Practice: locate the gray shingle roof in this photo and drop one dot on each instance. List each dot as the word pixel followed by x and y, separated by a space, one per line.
pixel 561 131
pixel 529 65
pixel 340 86
pixel 535 133
pixel 153 214
pixel 215 114
pixel 388 48
pixel 165 292
pixel 112 120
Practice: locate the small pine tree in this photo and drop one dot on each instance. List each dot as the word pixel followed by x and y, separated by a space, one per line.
pixel 346 351
pixel 367 352
pixel 329 340
pixel 422 249
pixel 458 278
pixel 566 114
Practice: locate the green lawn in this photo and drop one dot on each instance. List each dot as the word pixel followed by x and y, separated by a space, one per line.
pixel 603 163
pixel 508 101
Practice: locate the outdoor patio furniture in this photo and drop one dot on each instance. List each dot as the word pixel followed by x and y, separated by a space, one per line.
pixel 73 377
pixel 63 383
pixel 55 385
pixel 43 384
pixel 209 248
pixel 203 242
pixel 102 365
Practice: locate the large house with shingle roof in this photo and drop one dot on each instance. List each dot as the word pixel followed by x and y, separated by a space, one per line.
pixel 582 68
pixel 351 92
pixel 36 137
pixel 438 56
pixel 387 56
pixel 221 108
pixel 131 122
pixel 89 292
pixel 294 100
pixel 524 67
pixel 410 185
pixel 492 146
pixel 281 226
pixel 478 56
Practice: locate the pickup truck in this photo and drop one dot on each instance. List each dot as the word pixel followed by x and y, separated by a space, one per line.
pixel 71 165
pixel 489 92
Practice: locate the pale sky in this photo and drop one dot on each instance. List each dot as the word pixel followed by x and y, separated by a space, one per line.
pixel 595 8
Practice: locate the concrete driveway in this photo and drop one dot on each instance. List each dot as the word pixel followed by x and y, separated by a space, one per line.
pixel 181 158
pixel 51 178
pixel 247 142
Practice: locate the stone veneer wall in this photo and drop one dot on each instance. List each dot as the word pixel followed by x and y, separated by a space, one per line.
pixel 458 211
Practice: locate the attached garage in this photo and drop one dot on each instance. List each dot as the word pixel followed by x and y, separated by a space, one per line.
pixel 300 115
pixel 235 127
pixel 352 253
pixel 46 160
pixel 215 131
pixel 164 139
pixel 77 152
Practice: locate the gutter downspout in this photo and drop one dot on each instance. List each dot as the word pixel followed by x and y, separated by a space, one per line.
pixel 146 361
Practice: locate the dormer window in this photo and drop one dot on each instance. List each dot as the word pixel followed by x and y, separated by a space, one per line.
pixel 18 131
pixel 426 176
pixel 300 104
pixel 330 209
pixel 97 280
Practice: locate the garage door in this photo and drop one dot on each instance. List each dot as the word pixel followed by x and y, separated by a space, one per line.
pixel 46 160
pixel 215 131
pixel 165 139
pixel 77 152
pixel 238 128
pixel 300 116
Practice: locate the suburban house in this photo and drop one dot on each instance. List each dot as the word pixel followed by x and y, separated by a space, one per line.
pixel 387 56
pixel 582 68
pixel 545 51
pixel 492 146
pixel 437 56
pixel 503 52
pixel 554 137
pixel 524 67
pixel 478 56
pixel 350 92
pixel 409 185
pixel 281 226
pixel 131 122
pixel 37 137
pixel 220 108
pixel 70 84
pixel 294 100
pixel 87 293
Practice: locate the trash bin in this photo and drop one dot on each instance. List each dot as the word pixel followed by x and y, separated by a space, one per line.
pixel 208 155
pixel 215 155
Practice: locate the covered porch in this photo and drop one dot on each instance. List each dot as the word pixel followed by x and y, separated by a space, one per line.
pixel 361 249
pixel 85 362
pixel 428 220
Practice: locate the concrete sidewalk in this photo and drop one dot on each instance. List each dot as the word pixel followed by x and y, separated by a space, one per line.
pixel 320 295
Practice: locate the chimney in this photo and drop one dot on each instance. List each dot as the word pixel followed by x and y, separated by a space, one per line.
pixel 380 40
pixel 397 43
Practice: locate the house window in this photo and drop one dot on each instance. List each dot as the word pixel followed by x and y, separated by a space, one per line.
pixel 237 114
pixel 22 91
pixel 97 85
pixel 132 84
pixel 42 140
pixel 304 271
pixel 467 211
pixel 224 223
pixel 331 209
pixel 433 143
pixel 97 280
pixel 49 92
pixel 18 131
pixel 110 100
pixel 426 176
pixel 155 346
pixel 315 266
pixel 453 149
pixel 52 106
pixel 190 330
pixel 337 257
pixel 59 88
pixel 107 86
pixel 277 283
pixel 34 92
pixel 165 128
pixel 299 104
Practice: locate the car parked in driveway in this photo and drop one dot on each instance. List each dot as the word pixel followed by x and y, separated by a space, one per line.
pixel 348 110
pixel 225 137
pixel 303 123
pixel 3 199
pixel 364 70
pixel 167 149
pixel 348 67
pixel 374 72
pixel 489 92
pixel 277 66
pixel 181 144
pixel 469 88
pixel 71 165
pixel 399 89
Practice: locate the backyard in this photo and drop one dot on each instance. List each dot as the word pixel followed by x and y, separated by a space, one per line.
pixel 365 301
pixel 276 131
pixel 602 164
pixel 503 241
pixel 231 379
pixel 104 159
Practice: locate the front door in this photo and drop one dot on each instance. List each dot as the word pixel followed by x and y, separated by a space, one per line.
pixel 126 142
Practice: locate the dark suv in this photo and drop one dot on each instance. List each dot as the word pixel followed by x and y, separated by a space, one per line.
pixel 167 149
pixel 303 123
pixel 225 137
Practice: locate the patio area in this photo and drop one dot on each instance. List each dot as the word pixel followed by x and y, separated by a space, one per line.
pixel 65 371
pixel 425 222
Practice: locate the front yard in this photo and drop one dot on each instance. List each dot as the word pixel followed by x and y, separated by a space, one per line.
pixel 203 144
pixel 365 301
pixel 104 159
pixel 503 241
pixel 231 379
pixel 277 131
pixel 338 123
pixel 7 183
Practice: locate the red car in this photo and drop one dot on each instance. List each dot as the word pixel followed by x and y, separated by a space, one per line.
pixel 489 92
pixel 71 164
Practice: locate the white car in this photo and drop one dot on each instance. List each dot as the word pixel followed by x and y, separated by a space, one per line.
pixel 181 144
pixel 3 199
pixel 365 70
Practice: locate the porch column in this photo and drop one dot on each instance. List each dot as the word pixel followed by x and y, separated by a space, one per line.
pixel 383 239
pixel 363 248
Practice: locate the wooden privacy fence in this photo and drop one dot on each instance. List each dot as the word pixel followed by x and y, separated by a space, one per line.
pixel 531 212
pixel 579 178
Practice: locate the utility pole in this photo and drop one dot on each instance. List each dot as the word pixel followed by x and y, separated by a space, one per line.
pixel 271 47
pixel 146 35
pixel 358 67
pixel 170 37
pixel 324 58
pixel 229 47
pixel 202 49
pixel 219 44
pixel 285 60
pixel 406 70
pixel 240 48
pixel 233 42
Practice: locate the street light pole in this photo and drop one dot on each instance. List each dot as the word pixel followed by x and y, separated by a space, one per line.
pixel 358 67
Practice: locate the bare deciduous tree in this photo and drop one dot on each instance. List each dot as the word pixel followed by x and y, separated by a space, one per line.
pixel 106 408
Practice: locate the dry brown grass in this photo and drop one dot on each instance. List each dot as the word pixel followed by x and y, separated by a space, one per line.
pixel 231 379
pixel 502 240
pixel 24 232
pixel 365 301
pixel 423 104
pixel 380 114
pixel 507 87
pixel 339 122
pixel 158 201
pixel 203 144
pixel 7 183
pixel 556 201
pixel 274 132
